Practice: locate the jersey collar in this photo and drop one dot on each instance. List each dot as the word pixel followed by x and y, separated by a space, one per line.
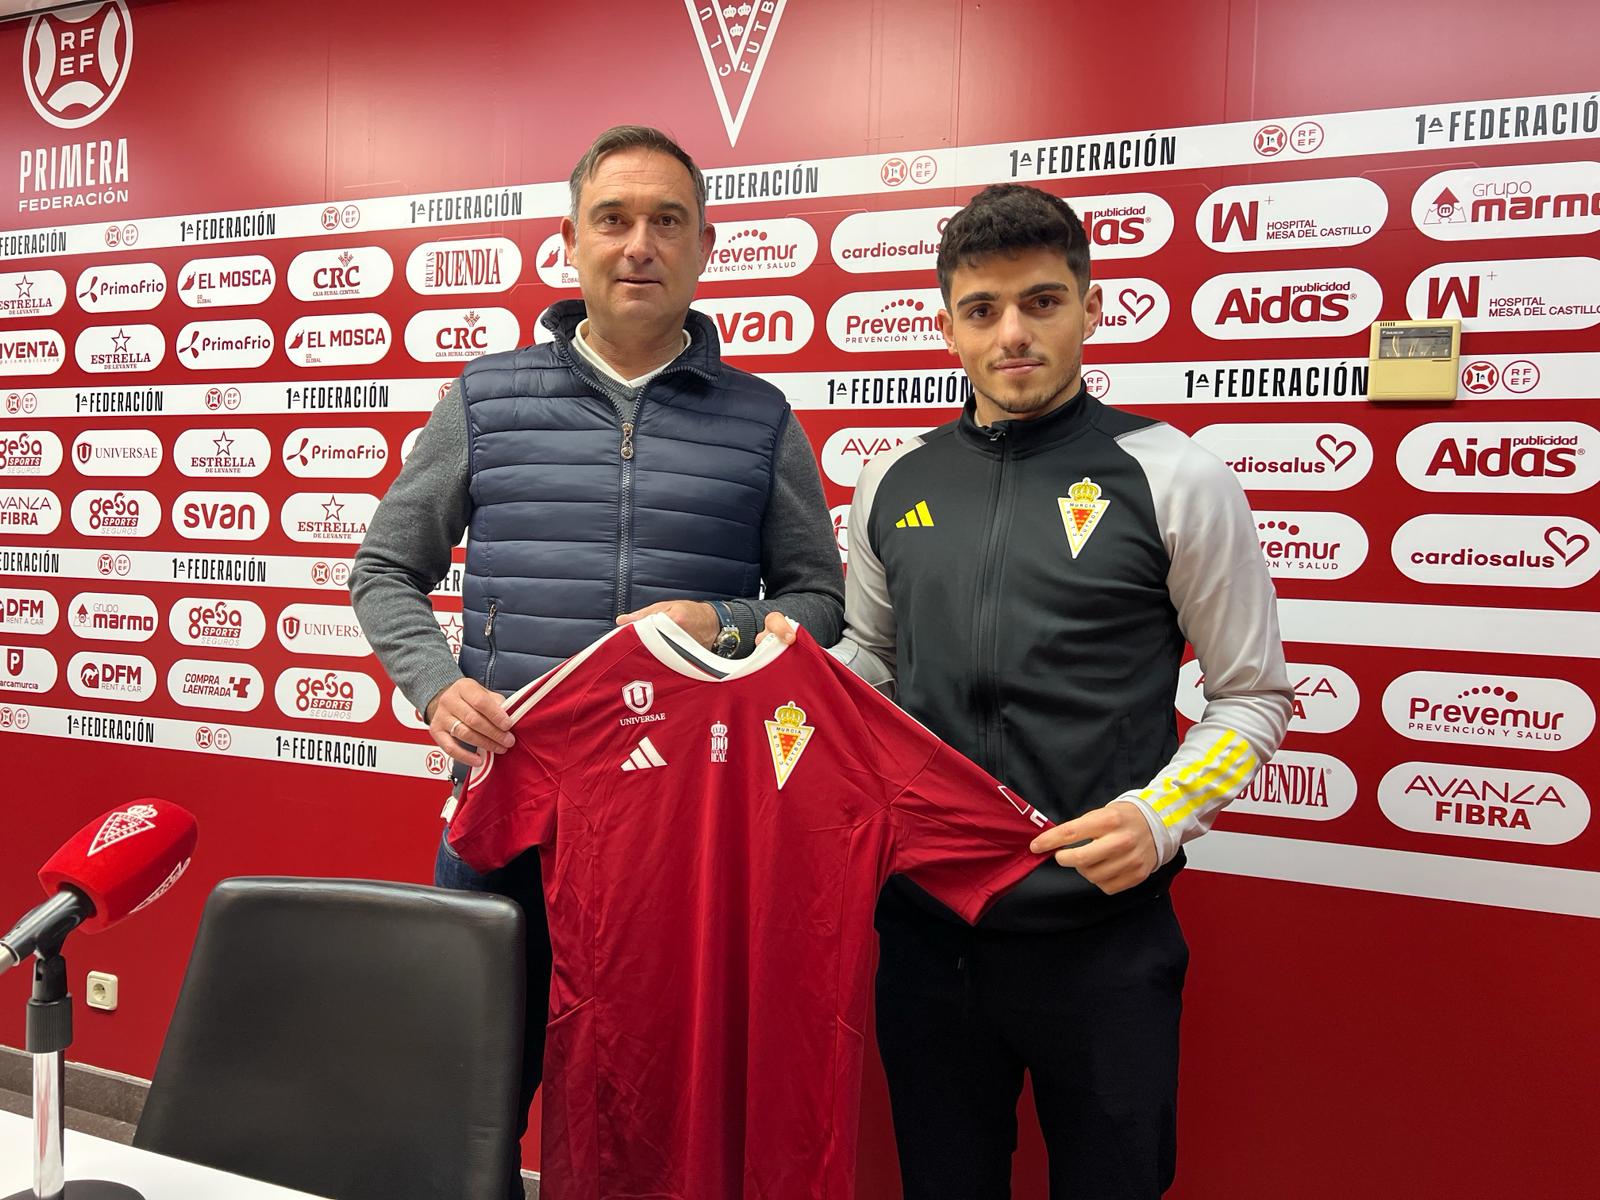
pixel 679 652
pixel 1063 424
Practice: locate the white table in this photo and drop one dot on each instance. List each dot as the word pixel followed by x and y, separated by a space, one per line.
pixel 158 1177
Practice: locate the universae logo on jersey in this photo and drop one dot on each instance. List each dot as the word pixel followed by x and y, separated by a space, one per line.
pixel 1081 510
pixel 734 40
pixel 787 737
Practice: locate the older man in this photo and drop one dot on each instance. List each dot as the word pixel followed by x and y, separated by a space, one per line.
pixel 620 470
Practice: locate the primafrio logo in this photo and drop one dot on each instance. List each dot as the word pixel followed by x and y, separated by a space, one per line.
pixel 1498 550
pixel 213 453
pixel 120 287
pixel 328 516
pixel 1311 545
pixel 457 334
pixel 322 629
pixel 347 273
pixel 113 617
pixel 1125 225
pixel 1310 456
pixel 27 669
pixel 1537 808
pixel 23 610
pixel 1529 200
pixel 555 269
pixel 217 622
pixel 1518 711
pixel 1134 310
pixel 203 683
pixel 335 452
pixel 31 294
pixel 28 510
pixel 116 452
pixel 223 345
pixel 322 695
pixel 734 42
pixel 1289 216
pixel 34 452
pixel 31 352
pixel 491 264
pixel 113 349
pixel 115 514
pixel 759 324
pixel 899 240
pixel 847 450
pixel 221 516
pixel 1299 785
pixel 97 675
pixel 1544 457
pixel 1325 698
pixel 867 322
pixel 1325 303
pixel 224 282
pixel 772 249
pixel 75 61
pixel 337 340
pixel 1510 294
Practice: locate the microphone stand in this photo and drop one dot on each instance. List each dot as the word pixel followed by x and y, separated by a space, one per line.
pixel 49 1035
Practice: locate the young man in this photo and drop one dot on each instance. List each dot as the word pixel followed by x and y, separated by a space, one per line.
pixel 1026 578
pixel 620 470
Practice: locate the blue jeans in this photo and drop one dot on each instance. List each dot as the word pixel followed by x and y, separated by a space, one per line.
pixel 518 880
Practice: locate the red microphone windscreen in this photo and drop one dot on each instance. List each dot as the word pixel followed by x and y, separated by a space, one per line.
pixel 124 860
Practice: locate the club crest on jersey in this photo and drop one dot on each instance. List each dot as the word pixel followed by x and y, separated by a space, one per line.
pixel 1081 510
pixel 639 695
pixel 787 736
pixel 119 825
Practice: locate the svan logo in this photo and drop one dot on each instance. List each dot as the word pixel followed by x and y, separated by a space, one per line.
pixel 1276 304
pixel 759 324
pixel 1547 457
pixel 221 516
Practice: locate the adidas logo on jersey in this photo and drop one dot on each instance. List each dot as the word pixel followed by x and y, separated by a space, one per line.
pixel 644 756
pixel 916 518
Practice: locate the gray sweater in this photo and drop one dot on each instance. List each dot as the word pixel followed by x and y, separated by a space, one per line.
pixel 425 512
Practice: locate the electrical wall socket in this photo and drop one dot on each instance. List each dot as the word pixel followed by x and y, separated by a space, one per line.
pixel 102 991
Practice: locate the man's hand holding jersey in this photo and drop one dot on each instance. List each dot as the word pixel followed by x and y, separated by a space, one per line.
pixel 1111 847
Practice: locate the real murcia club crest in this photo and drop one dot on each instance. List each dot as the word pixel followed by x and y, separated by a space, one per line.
pixel 734 37
pixel 1081 510
pixel 136 818
pixel 787 735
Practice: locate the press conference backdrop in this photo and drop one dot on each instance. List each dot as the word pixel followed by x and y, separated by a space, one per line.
pixel 245 247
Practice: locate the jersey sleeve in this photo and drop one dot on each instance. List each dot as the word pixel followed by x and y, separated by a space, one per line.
pixel 1227 608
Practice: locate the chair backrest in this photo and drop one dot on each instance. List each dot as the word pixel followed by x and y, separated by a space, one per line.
pixel 353 1039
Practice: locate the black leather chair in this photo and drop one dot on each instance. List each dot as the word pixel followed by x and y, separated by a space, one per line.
pixel 349 1038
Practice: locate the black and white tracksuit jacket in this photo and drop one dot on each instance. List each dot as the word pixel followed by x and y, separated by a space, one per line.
pixel 1027 589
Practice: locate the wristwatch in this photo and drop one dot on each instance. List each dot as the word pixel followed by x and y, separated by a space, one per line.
pixel 726 643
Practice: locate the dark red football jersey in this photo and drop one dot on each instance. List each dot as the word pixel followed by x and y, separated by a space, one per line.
pixel 713 836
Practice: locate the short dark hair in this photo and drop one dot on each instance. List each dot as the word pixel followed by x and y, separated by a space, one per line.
pixel 1006 218
pixel 635 137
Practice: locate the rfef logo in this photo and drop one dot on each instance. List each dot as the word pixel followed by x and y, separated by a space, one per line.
pixel 33 452
pixel 1526 200
pixel 113 617
pixel 120 287
pixel 759 324
pixel 1311 545
pixel 221 516
pixel 224 282
pixel 96 675
pixel 847 450
pixel 337 340
pixel 1326 699
pixel 1292 215
pixel 1536 808
pixel 347 273
pixel 1313 456
pixel 1330 302
pixel 1510 294
pixel 869 322
pixel 75 61
pixel 1299 785
pixel 1518 711
pixel 116 514
pixel 116 452
pixel 1544 457
pixel 457 334
pixel 1134 310
pixel 1497 550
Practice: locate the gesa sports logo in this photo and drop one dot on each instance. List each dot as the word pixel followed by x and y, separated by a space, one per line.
pixel 1330 302
pixel 1547 457
pixel 75 61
